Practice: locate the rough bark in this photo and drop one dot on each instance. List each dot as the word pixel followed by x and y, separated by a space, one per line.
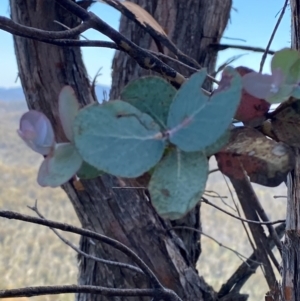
pixel 125 215
pixel 191 25
pixel 291 245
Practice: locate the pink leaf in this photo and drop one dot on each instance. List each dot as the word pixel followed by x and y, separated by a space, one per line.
pixel 37 132
pixel 259 85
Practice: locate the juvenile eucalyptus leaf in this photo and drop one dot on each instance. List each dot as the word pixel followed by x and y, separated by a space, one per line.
pixel 178 182
pixel 68 107
pixel 152 95
pixel 218 144
pixel 118 139
pixel 87 171
pixel 60 166
pixel 196 121
pixel 287 60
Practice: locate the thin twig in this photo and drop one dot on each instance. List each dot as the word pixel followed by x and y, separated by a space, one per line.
pixel 204 200
pixel 221 47
pixel 263 59
pixel 236 281
pixel 239 213
pixel 217 195
pixel 88 256
pixel 238 254
pixel 88 233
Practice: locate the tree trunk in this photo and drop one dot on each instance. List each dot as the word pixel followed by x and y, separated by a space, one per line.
pixel 191 25
pixel 126 215
pixel 291 245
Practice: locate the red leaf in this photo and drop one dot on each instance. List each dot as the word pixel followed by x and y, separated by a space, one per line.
pixel 251 110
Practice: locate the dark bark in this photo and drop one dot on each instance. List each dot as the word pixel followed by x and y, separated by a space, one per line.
pixel 291 245
pixel 126 215
pixel 191 25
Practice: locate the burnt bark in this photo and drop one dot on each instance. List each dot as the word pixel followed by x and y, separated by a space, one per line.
pixel 291 245
pixel 126 215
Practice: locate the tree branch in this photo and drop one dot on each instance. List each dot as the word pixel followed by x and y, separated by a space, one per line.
pixel 246 194
pixel 206 201
pixel 72 246
pixel 145 59
pixel 246 269
pixel 88 233
pixel 263 59
pixel 68 289
pixel 157 36
pixel 221 47
pixel 35 33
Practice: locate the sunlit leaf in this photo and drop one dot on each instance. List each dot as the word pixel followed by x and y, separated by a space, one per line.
pixel 118 139
pixel 196 121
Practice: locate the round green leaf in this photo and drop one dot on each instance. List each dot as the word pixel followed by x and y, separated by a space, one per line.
pixel 152 95
pixel 286 60
pixel 178 183
pixel 196 121
pixel 118 139
pixel 87 171
pixel 218 144
pixel 60 167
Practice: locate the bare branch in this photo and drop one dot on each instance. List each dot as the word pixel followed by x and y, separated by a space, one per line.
pixel 144 58
pixel 101 260
pixel 246 194
pixel 68 289
pixel 238 254
pixel 221 47
pixel 263 59
pixel 163 39
pixel 246 269
pixel 88 233
pixel 35 33
pixel 204 200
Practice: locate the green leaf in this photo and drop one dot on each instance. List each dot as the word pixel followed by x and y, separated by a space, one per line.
pixel 294 73
pixel 60 167
pixel 118 139
pixel 196 121
pixel 152 95
pixel 87 171
pixel 68 107
pixel 281 95
pixel 286 60
pixel 178 183
pixel 217 145
pixel 296 92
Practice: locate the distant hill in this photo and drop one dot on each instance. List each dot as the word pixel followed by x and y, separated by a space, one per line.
pixel 16 93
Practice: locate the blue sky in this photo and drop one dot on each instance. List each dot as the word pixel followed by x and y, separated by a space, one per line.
pixel 252 21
